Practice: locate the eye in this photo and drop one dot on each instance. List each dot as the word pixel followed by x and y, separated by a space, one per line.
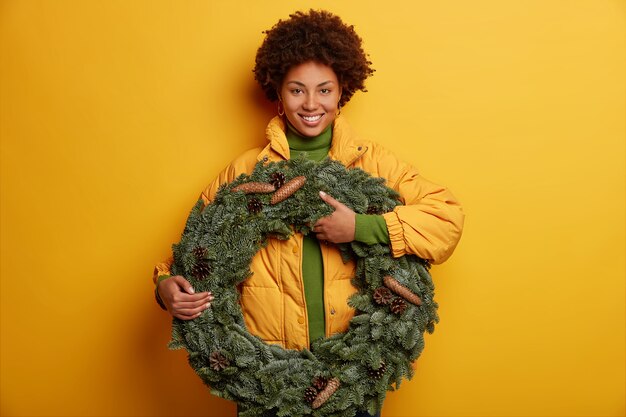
pixel 325 91
pixel 296 91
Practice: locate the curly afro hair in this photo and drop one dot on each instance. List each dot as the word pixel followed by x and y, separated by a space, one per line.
pixel 316 36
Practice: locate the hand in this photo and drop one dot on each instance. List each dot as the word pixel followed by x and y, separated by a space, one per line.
pixel 181 300
pixel 339 227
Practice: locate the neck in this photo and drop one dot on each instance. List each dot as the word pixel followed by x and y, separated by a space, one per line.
pixel 298 142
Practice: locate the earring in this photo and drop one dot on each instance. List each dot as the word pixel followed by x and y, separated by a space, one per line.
pixel 281 109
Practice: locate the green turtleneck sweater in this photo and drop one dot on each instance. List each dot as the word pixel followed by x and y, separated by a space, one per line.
pixel 370 229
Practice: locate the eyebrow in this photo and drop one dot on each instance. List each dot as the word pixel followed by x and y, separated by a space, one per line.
pixel 301 84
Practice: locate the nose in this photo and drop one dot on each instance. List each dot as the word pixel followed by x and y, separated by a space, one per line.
pixel 310 103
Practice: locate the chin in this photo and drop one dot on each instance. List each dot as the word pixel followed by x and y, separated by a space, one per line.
pixel 311 132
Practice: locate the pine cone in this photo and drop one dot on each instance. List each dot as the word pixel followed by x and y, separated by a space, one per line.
pixel 373 210
pixel 401 290
pixel 255 187
pixel 382 296
pixel 218 362
pixel 309 394
pixel 254 205
pixel 288 189
pixel 277 179
pixel 398 306
pixel 201 269
pixel 377 373
pixel 424 263
pixel 199 252
pixel 322 397
pixel 319 382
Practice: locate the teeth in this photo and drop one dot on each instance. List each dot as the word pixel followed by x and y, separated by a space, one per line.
pixel 312 118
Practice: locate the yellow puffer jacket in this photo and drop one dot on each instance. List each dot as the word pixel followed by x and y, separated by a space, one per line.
pixel 429 225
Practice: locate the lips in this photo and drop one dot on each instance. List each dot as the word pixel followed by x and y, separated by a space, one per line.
pixel 312 118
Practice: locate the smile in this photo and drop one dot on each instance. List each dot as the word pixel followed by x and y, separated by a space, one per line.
pixel 311 119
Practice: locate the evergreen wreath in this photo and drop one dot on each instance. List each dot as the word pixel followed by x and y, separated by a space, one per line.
pixel 340 374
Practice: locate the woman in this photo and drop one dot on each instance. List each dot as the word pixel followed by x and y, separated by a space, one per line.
pixel 312 64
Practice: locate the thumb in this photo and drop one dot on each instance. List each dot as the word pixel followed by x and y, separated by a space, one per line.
pixel 329 200
pixel 184 284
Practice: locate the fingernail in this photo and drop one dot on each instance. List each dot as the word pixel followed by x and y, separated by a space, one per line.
pixel 322 193
pixel 208 305
pixel 191 291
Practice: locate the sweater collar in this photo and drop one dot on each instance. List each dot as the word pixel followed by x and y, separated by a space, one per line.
pixel 345 147
pixel 297 142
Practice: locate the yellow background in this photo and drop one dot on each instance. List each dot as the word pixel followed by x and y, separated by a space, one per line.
pixel 115 114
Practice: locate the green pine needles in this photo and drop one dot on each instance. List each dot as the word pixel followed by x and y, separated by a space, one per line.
pixel 341 373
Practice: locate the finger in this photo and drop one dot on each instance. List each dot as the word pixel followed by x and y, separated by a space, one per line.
pixel 321 236
pixel 184 297
pixel 186 317
pixel 205 303
pixel 321 223
pixel 191 312
pixel 329 200
pixel 184 284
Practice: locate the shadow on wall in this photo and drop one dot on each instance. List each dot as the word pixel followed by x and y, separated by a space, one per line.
pixel 174 388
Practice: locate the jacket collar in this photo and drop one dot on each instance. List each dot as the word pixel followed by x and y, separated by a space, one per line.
pixel 345 147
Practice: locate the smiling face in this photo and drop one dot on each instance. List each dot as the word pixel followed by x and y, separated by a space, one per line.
pixel 310 94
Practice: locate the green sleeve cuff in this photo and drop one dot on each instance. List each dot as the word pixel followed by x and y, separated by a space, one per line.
pixel 371 229
pixel 157 296
pixel 161 278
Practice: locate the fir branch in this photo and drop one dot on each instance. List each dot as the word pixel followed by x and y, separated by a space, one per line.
pixel 262 377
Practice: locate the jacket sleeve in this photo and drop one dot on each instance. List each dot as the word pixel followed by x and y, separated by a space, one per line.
pixel 163 269
pixel 430 222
